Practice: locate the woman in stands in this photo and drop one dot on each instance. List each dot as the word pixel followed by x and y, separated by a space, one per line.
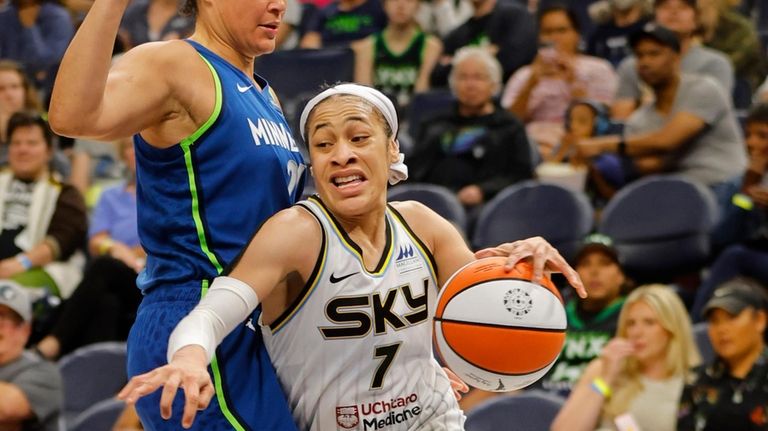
pixel 16 93
pixel 637 381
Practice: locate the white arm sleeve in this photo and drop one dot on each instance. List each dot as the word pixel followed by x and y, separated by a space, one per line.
pixel 227 304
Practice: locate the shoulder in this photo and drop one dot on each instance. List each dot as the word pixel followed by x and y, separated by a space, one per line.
pixel 595 63
pixel 709 56
pixel 365 44
pixel 54 10
pixel 424 222
pixel 432 42
pixel 161 57
pixel 699 85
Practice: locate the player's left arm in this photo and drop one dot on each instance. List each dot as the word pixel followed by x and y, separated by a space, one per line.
pixel 451 251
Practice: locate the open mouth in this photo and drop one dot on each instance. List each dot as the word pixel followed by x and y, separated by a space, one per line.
pixel 271 26
pixel 347 181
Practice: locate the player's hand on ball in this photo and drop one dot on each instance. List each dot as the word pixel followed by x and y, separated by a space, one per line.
pixel 543 255
pixel 458 385
pixel 187 370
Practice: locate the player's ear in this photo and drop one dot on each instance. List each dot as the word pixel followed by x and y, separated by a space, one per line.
pixel 394 150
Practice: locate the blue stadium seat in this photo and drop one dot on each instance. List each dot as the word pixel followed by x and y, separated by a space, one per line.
pixel 297 73
pixel 425 105
pixel 99 417
pixel 529 208
pixel 531 410
pixel 660 226
pixel 701 337
pixel 440 199
pixel 91 374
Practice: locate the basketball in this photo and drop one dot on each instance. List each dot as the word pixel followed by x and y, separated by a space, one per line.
pixel 497 330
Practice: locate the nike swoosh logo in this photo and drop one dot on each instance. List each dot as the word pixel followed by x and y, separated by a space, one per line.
pixel 343 277
pixel 242 89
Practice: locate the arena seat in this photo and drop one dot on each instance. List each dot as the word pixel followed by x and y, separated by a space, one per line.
pixel 99 417
pixel 530 208
pixel 91 374
pixel 660 225
pixel 425 105
pixel 438 198
pixel 532 410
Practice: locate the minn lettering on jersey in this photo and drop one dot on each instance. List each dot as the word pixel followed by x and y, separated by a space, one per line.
pixel 356 316
pixel 267 132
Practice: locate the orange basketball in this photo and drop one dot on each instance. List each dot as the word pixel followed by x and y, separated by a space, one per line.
pixel 498 330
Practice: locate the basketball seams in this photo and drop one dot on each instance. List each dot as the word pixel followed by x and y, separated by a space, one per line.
pixel 473 364
pixel 500 326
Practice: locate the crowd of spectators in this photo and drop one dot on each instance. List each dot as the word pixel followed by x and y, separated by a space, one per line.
pixel 619 88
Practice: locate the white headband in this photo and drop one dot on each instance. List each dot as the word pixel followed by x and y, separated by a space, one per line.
pixel 398 171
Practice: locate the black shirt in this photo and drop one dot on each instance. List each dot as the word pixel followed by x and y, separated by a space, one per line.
pixel 716 401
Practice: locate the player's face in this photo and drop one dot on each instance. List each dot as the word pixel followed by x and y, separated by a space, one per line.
pixel 472 83
pixel 757 139
pixel 250 26
pixel 735 336
pixel 656 63
pixel 28 153
pixel 11 91
pixel 350 154
pixel 601 276
pixel 646 334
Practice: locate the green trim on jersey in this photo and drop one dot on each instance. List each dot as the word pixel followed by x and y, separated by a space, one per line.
pixel 186 146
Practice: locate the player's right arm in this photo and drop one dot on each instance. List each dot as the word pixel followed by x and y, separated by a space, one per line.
pixel 89 100
pixel 288 243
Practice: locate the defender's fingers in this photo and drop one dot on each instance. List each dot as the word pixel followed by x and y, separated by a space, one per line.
pixel 170 388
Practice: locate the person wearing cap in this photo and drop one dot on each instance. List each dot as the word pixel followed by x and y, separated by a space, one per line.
pixel 30 387
pixel 610 40
pixel 689 129
pixel 345 282
pixel 592 321
pixel 636 382
pixel 731 393
pixel 681 17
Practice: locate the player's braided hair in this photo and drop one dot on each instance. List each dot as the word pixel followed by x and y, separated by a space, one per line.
pixel 189 8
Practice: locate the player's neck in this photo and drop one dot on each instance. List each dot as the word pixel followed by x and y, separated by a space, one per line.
pixel 211 40
pixel 369 232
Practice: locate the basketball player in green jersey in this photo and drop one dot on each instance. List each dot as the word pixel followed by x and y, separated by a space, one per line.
pixel 364 272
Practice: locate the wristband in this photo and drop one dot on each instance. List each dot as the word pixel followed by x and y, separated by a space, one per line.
pixel 105 245
pixel 601 387
pixel 24 260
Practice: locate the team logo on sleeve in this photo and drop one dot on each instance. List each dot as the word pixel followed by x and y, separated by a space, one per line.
pixel 347 417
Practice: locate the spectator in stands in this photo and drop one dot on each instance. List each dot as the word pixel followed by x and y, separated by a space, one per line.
pixel 690 126
pixel 289 32
pixel 477 148
pixel 103 307
pixel 539 94
pixel 680 16
pixel 30 387
pixel 16 94
pixel 592 321
pixel 610 39
pixel 504 28
pixel 398 59
pixel 35 33
pixel 152 20
pixel 639 376
pixel 745 219
pixel 343 22
pixel 43 220
pixel 731 392
pixel 729 32
pixel 440 17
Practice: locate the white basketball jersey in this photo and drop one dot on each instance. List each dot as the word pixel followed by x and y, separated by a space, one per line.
pixel 354 350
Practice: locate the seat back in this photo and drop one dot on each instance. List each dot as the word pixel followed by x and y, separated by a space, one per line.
pixel 660 225
pixel 530 410
pixel 99 417
pixel 91 374
pixel 297 73
pixel 425 105
pixel 438 198
pixel 530 208
pixel 701 337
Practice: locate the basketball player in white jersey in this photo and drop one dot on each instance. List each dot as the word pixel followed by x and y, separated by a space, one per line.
pixel 347 285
